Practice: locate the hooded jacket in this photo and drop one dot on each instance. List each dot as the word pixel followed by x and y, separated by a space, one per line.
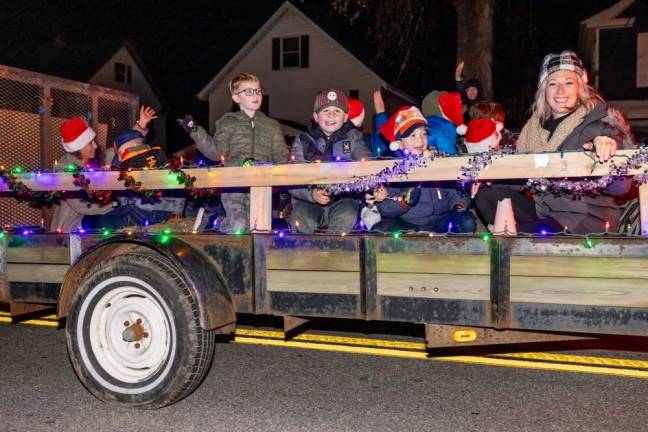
pixel 239 137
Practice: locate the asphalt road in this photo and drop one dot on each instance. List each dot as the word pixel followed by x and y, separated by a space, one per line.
pixel 263 388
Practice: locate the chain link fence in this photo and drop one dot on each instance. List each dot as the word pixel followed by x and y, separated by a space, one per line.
pixel 32 108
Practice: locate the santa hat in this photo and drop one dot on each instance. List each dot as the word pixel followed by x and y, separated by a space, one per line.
pixel 76 134
pixel 356 111
pixel 402 124
pixel 482 135
pixel 450 104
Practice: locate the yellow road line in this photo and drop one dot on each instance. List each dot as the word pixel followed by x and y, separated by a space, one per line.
pixel 417 346
pixel 377 343
pixel 488 361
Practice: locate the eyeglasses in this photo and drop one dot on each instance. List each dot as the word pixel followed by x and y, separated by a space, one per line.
pixel 251 91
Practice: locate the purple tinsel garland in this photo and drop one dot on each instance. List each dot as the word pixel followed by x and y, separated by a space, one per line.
pixel 401 169
pixel 470 174
pixel 580 188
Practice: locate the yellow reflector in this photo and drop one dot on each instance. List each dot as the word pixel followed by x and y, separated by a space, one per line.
pixel 464 336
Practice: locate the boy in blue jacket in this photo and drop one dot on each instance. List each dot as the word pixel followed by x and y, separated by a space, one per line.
pixel 423 207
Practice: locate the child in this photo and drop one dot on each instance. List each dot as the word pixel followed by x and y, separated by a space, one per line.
pixel 483 134
pixel 78 140
pixel 421 207
pixel 330 138
pixel 245 135
pixel 132 152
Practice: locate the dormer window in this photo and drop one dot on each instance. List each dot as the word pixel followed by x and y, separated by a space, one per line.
pixel 123 73
pixel 290 52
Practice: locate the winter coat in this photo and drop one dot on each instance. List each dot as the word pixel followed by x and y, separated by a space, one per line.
pixel 421 205
pixel 68 215
pixel 587 214
pixel 239 137
pixel 346 144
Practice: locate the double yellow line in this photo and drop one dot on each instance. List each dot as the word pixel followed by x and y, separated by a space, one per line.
pixel 412 350
pixel 417 350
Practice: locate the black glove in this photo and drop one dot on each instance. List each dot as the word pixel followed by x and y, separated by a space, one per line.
pixel 188 123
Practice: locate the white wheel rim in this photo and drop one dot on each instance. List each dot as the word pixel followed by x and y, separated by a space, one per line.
pixel 133 361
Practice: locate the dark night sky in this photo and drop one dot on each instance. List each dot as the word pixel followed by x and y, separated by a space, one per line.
pixel 184 44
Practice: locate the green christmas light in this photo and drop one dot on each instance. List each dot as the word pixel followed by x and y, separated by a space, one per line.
pixel 166 231
pixel 2 234
pixel 105 232
pixel 589 243
pixel 17 170
pixel 238 233
pixel 396 234
pixel 486 237
pixel 165 238
pixel 70 168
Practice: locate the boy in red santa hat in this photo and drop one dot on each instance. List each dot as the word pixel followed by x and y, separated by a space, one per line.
pixel 482 135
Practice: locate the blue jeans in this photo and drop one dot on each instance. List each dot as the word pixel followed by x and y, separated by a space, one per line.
pixel 128 215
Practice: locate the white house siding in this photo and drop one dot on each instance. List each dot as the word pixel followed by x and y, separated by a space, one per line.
pixel 105 77
pixel 292 91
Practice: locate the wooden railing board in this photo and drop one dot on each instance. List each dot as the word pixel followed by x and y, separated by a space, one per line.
pixel 314 282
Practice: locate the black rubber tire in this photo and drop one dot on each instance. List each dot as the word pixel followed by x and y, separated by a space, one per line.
pixel 188 349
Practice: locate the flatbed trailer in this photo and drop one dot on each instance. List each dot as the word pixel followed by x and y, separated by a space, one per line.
pixel 143 309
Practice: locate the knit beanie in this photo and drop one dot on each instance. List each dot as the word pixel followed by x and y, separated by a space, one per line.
pixel 76 134
pixel 566 60
pixel 329 98
pixel 430 104
pixel 450 104
pixel 482 135
pixel 356 111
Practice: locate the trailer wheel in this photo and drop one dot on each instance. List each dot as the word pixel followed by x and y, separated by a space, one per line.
pixel 134 335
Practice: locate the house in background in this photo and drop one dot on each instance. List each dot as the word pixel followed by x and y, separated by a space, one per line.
pixel 125 71
pixel 615 44
pixel 295 59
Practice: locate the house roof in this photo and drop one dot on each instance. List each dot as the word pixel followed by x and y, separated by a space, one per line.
pixel 260 34
pixel 609 18
pixel 142 67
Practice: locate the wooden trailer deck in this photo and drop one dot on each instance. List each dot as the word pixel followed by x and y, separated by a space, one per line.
pixel 554 284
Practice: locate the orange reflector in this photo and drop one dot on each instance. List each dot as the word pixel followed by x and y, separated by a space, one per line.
pixel 464 336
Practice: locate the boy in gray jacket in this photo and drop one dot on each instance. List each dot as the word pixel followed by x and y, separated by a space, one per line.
pixel 331 138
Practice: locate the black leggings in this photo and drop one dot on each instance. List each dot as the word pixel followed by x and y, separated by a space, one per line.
pixel 526 218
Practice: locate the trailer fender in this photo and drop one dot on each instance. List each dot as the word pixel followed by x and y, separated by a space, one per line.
pixel 216 306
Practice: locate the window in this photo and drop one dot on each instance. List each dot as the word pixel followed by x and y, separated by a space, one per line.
pixel 290 52
pixel 123 73
pixel 354 94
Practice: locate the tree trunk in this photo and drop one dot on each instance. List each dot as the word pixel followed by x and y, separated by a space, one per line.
pixel 475 40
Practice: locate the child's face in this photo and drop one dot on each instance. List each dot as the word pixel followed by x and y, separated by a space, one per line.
pixel 330 119
pixel 248 96
pixel 471 92
pixel 416 143
pixel 88 152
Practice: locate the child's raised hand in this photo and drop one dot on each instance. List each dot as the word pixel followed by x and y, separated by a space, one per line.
pixel 474 189
pixel 379 103
pixel 147 114
pixel 459 71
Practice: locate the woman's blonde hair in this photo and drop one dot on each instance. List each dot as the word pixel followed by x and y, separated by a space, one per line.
pixel 587 97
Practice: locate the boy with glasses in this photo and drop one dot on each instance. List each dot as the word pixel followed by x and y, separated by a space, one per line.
pixel 245 136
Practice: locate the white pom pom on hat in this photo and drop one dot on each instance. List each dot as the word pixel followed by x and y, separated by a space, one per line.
pixel 461 129
pixel 394 146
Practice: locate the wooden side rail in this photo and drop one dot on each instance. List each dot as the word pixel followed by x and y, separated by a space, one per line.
pixel 262 178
